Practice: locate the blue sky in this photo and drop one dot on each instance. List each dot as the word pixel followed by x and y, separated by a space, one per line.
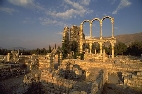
pixel 39 23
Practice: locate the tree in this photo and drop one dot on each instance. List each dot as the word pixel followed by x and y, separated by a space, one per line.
pixel 55 46
pixel 95 46
pixel 74 47
pixel 120 48
pixel 37 51
pixel 135 48
pixel 49 49
pixel 66 47
pixel 43 51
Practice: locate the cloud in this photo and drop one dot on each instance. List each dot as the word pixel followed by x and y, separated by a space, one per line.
pixel 71 8
pixel 76 9
pixel 112 1
pixel 85 2
pixel 26 4
pixel 74 4
pixel 29 20
pixel 8 10
pixel 47 21
pixel 123 3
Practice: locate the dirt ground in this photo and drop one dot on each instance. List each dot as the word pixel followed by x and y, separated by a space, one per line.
pixel 114 87
pixel 12 85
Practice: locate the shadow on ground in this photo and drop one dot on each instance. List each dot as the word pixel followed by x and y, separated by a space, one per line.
pixel 110 88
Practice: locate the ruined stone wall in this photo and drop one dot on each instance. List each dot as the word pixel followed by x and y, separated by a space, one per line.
pixel 74 33
pixel 96 74
pixel 93 57
pixel 44 62
pixel 133 80
pixel 56 84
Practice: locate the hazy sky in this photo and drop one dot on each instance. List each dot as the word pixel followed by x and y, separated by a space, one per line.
pixel 39 23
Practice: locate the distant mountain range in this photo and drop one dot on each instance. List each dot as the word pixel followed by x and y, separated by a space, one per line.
pixel 129 38
pixel 19 48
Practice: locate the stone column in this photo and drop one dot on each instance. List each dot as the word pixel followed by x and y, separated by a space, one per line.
pixel 90 30
pixel 51 61
pixel 104 55
pixel 81 48
pixel 8 57
pixel 87 51
pixel 100 48
pixel 95 51
pixel 90 46
pixel 112 22
pixel 112 47
pixel 60 58
pixel 101 29
pixel 81 37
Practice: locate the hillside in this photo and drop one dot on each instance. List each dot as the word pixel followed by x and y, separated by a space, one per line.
pixel 128 38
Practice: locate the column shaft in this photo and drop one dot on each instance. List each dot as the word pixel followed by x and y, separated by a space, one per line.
pixel 101 29
pixel 90 30
pixel 90 44
pixel 103 55
pixel 112 22
pixel 112 46
pixel 95 51
pixel 100 47
pixel 81 37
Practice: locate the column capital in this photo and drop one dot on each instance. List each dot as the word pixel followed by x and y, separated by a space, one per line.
pixel 101 23
pixel 90 43
pixel 112 20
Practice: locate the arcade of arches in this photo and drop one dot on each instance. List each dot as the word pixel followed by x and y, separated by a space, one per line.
pixel 101 40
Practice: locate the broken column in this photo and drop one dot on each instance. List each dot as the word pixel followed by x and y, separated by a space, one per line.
pixel 95 51
pixel 60 58
pixel 8 57
pixel 100 48
pixel 90 45
pixel 104 55
pixel 51 61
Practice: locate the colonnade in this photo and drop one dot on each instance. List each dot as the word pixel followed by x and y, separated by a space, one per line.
pixel 112 40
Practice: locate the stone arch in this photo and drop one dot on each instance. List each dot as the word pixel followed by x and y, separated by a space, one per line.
pixel 81 26
pixel 112 22
pixel 91 26
pixel 81 34
pixel 106 17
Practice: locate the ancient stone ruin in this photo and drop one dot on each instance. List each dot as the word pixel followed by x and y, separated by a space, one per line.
pixel 96 73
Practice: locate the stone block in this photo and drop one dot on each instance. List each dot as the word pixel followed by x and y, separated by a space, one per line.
pixel 75 92
pixel 139 73
pixel 83 92
pixel 134 76
pixel 140 77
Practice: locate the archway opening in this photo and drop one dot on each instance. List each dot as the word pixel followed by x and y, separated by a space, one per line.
pixel 95 29
pixel 106 28
pixel 86 30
